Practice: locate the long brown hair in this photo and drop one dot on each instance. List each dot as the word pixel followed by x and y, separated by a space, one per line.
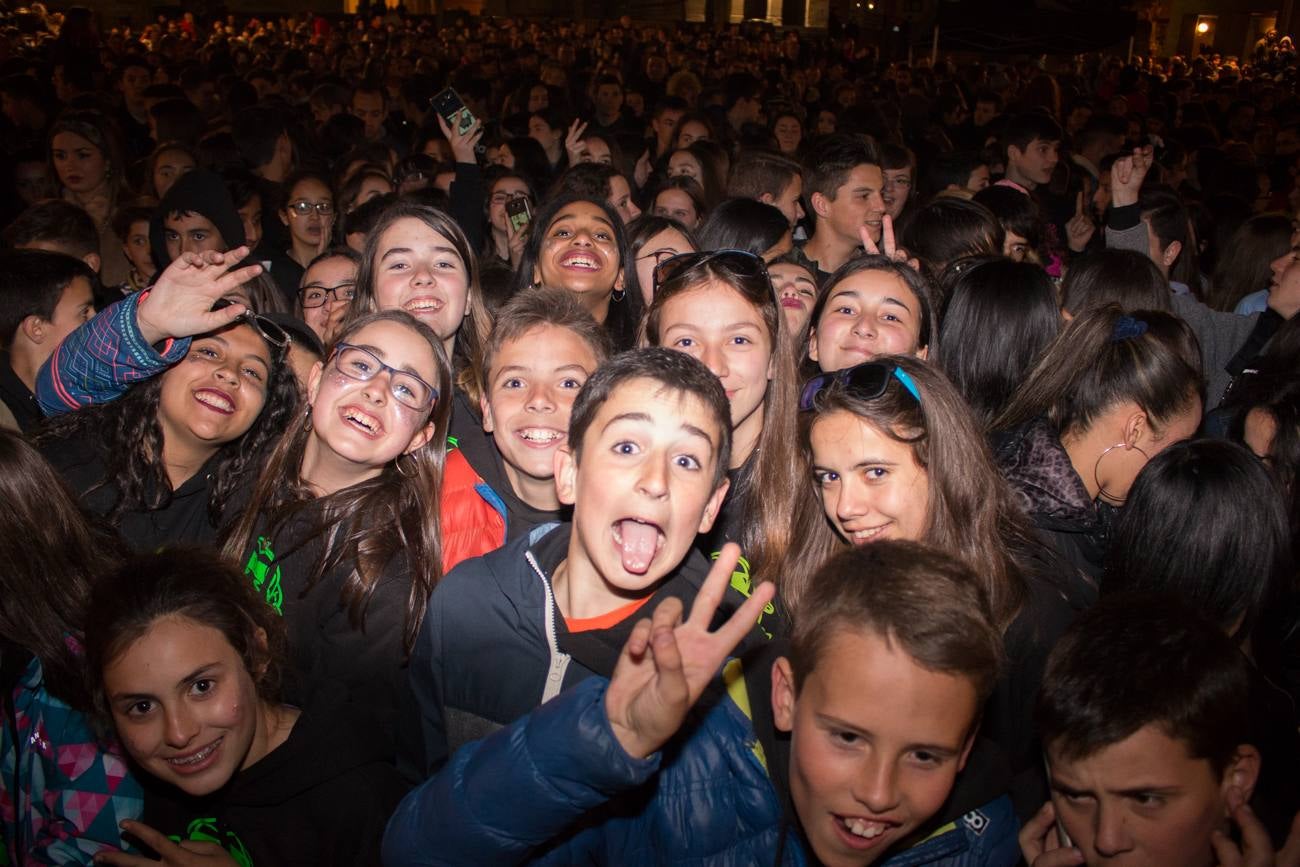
pixel 394 514
pixel 478 322
pixel 972 514
pixel 765 489
pixel 52 558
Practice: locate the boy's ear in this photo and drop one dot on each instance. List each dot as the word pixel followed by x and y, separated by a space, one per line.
pixel 92 261
pixel 767 198
pixel 820 204
pixel 1014 154
pixel 33 328
pixel 713 506
pixel 488 423
pixel 1242 773
pixel 1170 255
pixel 923 353
pixel 566 475
pixel 783 694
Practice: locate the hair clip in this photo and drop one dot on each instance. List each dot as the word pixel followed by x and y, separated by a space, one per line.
pixel 1128 327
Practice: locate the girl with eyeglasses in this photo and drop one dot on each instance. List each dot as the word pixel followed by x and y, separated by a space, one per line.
pixel 503 243
pixel 328 287
pixel 341 534
pixel 308 212
pixel 720 308
pixel 162 463
pixel 891 451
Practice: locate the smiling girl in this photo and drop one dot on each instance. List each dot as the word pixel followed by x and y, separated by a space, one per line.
pixel 184 664
pixel 578 244
pixel 341 533
pixel 891 451
pixel 720 308
pixel 871 306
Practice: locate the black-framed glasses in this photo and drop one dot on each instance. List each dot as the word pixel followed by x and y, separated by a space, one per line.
pixel 302 209
pixel 315 295
pixel 363 365
pixel 741 262
pixel 277 337
pixel 866 381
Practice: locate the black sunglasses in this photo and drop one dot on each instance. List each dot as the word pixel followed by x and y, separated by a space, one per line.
pixel 741 262
pixel 273 334
pixel 866 381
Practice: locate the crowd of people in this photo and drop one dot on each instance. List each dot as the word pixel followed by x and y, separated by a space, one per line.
pixel 506 441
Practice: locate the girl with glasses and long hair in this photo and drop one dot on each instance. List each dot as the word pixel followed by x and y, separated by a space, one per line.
pixel 341 532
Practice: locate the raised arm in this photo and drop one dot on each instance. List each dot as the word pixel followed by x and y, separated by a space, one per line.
pixel 143 334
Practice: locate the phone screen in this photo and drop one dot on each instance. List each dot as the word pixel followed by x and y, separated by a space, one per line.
pixel 518 212
pixel 452 108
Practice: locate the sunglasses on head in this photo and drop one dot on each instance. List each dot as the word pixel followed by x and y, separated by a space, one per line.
pixel 273 334
pixel 741 262
pixel 866 381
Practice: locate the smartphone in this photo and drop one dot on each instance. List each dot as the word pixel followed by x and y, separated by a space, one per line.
pixel 452 108
pixel 1061 836
pixel 518 212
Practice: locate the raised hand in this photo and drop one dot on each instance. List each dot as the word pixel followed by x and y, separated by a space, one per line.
pixel 1040 844
pixel 644 167
pixel 462 145
pixel 1127 174
pixel 516 240
pixel 888 246
pixel 187 853
pixel 180 302
pixel 667 662
pixel 1080 229
pixel 573 141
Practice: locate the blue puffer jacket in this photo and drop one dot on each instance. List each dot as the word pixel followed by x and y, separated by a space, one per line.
pixel 539 791
pixel 509 799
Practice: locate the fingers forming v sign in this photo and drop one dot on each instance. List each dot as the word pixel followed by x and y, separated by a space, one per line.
pixel 888 246
pixel 667 662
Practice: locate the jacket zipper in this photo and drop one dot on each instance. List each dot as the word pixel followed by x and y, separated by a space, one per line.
pixel 559 662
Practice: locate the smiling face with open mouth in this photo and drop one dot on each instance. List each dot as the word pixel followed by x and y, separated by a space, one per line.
pixel 580 252
pixel 418 270
pixel 865 774
pixel 642 489
pixel 359 426
pixel 534 379
pixel 217 392
pixel 871 486
pixel 185 707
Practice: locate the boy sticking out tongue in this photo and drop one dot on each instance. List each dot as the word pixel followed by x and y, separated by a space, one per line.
pixel 644 467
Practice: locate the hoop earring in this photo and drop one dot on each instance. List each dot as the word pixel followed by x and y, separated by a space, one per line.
pixel 306 425
pixel 1096 477
pixel 618 295
pixel 414 471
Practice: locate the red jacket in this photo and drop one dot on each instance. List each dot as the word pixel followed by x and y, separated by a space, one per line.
pixel 473 516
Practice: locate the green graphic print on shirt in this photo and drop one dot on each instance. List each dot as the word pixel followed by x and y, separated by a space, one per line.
pixel 209 831
pixel 266 574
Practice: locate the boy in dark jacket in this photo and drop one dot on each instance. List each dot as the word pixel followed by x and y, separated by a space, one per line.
pixel 644 467
pixel 893 653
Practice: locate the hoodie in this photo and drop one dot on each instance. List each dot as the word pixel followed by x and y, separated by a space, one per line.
pixel 320 798
pixel 197 192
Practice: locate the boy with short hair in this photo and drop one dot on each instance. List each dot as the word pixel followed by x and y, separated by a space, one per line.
pixel 644 468
pixel 44 297
pixel 501 485
pixel 771 178
pixel 843 184
pixel 1148 745
pixel 57 227
pixel 1030 144
pixel 892 656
